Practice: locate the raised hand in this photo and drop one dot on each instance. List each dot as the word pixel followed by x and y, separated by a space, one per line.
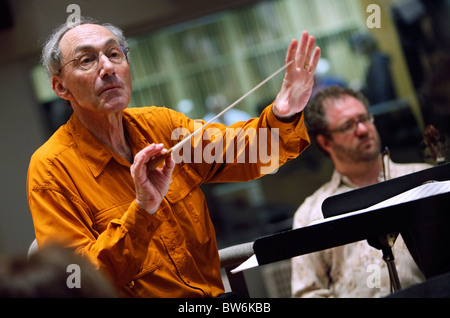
pixel 299 77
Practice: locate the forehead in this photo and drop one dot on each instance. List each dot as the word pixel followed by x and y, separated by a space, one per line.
pixel 343 108
pixel 85 35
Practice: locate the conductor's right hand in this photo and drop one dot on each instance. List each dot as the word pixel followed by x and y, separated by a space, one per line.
pixel 151 185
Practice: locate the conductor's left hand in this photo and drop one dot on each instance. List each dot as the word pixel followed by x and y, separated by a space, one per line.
pixel 299 77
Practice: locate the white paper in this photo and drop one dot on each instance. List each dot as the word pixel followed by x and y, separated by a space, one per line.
pixel 250 263
pixel 420 192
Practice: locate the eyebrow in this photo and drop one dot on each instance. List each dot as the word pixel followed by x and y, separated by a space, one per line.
pixel 89 47
pixel 349 120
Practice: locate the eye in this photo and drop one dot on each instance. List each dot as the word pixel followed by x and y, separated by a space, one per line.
pixel 347 126
pixel 87 59
pixel 363 119
pixel 115 54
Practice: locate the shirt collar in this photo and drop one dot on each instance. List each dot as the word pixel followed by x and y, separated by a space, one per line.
pixel 339 179
pixel 95 153
pixel 134 135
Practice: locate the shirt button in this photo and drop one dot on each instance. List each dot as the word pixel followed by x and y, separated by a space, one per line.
pixel 150 228
pixel 131 284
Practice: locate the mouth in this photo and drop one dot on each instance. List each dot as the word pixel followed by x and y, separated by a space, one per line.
pixel 108 88
pixel 366 142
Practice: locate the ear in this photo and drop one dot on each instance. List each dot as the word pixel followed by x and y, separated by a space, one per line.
pixel 323 142
pixel 60 89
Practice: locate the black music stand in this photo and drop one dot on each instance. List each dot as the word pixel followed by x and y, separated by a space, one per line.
pixel 420 240
pixel 424 223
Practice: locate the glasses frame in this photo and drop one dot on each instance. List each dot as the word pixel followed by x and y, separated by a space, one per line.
pixel 124 49
pixel 351 127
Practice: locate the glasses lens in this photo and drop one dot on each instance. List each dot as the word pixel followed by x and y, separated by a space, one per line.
pixel 116 54
pixel 352 125
pixel 88 60
pixel 348 127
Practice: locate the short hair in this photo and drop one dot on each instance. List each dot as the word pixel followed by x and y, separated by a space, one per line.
pixel 51 53
pixel 315 116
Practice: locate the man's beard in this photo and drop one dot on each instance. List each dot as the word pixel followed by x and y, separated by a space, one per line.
pixel 358 154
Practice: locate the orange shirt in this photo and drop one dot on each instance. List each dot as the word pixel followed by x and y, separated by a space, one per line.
pixel 81 194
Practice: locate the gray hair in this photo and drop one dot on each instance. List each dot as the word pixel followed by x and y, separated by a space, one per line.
pixel 51 53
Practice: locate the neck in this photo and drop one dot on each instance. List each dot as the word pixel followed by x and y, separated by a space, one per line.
pixel 109 129
pixel 362 173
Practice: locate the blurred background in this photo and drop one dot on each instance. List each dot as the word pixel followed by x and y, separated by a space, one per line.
pixel 197 56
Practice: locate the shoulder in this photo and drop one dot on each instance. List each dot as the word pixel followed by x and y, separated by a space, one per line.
pixel 311 209
pixel 59 142
pixel 400 169
pixel 50 155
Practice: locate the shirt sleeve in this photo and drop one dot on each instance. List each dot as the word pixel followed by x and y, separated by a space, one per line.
pixel 66 220
pixel 245 150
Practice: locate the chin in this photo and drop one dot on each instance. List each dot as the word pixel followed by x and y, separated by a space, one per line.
pixel 371 146
pixel 116 104
pixel 373 154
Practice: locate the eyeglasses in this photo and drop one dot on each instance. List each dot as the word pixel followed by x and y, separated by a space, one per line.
pixel 350 126
pixel 89 60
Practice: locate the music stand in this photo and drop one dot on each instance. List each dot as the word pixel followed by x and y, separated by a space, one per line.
pixel 419 221
pixel 417 239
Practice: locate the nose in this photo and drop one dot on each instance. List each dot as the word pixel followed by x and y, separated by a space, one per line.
pixel 361 128
pixel 106 67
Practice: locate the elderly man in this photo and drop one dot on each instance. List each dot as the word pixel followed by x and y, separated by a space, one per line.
pixel 339 121
pixel 89 187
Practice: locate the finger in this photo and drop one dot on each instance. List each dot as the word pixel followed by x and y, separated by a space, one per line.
pixel 169 165
pixel 301 50
pixel 138 169
pixel 315 59
pixel 290 55
pixel 151 152
pixel 144 153
pixel 309 51
pixel 156 160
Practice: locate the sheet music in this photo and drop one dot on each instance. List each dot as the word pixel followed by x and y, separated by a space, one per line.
pixel 420 192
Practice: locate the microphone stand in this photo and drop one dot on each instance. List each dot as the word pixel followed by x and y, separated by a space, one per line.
pixel 385 243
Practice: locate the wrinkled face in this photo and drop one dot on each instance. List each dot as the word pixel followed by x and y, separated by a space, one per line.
pixel 361 142
pixel 103 89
